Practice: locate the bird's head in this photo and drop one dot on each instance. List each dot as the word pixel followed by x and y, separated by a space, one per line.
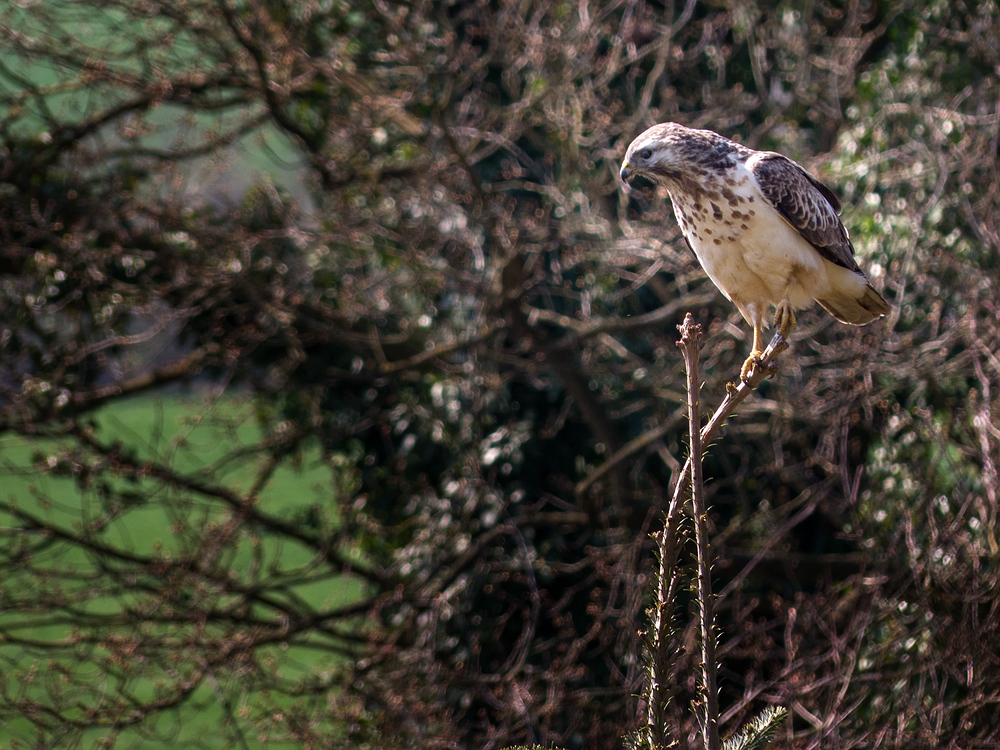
pixel 668 150
pixel 651 155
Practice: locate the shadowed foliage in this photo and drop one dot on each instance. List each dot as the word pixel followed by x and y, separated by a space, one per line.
pixel 443 308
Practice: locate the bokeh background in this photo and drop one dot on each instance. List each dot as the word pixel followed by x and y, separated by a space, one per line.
pixel 339 392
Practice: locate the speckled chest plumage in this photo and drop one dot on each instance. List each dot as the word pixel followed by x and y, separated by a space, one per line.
pixel 753 255
pixel 766 232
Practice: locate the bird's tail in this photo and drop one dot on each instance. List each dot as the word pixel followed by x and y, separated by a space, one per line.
pixel 856 310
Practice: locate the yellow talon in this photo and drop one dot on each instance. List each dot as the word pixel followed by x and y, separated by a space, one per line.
pixel 784 318
pixel 784 321
pixel 751 362
pixel 755 353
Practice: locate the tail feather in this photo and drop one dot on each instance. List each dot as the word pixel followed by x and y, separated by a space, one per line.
pixel 856 311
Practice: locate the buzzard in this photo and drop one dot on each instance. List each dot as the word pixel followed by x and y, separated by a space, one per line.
pixel 765 231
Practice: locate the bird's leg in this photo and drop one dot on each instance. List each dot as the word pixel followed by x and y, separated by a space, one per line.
pixel 784 318
pixel 758 349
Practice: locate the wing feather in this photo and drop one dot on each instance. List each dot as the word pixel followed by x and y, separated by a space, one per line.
pixel 805 203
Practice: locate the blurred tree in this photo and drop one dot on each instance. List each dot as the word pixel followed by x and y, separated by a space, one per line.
pixel 473 322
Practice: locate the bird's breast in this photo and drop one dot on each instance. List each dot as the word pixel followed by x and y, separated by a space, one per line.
pixel 748 250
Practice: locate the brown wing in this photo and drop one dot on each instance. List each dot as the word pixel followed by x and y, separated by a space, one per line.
pixel 807 204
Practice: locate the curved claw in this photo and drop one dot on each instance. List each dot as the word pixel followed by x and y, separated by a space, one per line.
pixel 784 318
pixel 751 362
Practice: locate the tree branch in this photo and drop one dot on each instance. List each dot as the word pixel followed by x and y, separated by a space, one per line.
pixel 690 345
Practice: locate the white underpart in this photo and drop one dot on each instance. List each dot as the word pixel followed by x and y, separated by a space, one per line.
pixel 768 261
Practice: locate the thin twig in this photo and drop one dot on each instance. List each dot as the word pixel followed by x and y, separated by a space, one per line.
pixel 735 395
pixel 633 446
pixel 660 688
pixel 690 344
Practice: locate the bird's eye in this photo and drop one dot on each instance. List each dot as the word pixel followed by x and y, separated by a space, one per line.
pixel 646 153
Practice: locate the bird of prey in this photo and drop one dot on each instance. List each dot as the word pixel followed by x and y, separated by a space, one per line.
pixel 765 231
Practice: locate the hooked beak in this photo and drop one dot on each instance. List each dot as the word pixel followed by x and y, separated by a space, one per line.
pixel 626 172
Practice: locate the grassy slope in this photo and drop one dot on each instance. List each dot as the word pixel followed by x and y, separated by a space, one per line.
pixel 194 442
pixel 161 427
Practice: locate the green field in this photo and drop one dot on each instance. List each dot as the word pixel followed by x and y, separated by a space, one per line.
pixel 210 444
pixel 61 94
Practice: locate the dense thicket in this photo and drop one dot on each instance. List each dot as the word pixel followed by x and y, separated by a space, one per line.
pixel 455 301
